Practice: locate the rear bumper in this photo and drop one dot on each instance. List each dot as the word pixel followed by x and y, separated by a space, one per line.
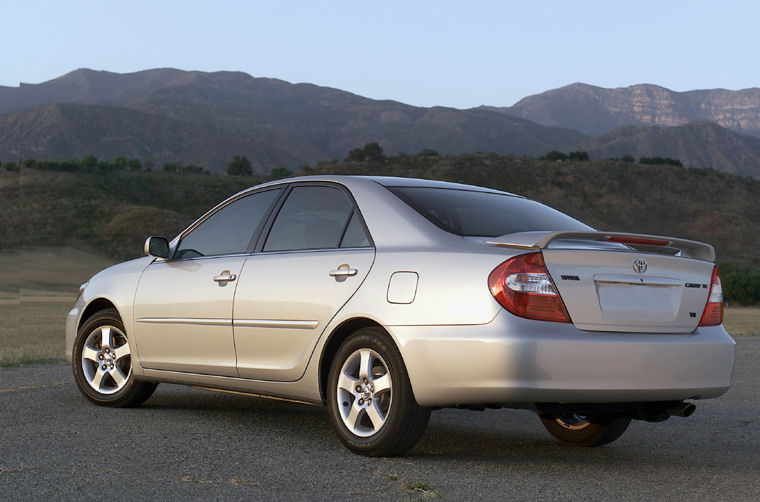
pixel 515 360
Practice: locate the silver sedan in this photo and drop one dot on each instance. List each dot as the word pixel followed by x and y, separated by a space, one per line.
pixel 385 298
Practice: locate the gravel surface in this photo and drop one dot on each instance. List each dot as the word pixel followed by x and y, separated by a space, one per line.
pixel 190 444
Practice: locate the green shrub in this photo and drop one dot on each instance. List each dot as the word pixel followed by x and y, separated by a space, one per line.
pixel 741 285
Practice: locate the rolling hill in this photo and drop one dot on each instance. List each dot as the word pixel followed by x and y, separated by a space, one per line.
pixel 114 211
pixel 698 144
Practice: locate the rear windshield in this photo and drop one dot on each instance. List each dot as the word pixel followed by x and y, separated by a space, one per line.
pixel 484 214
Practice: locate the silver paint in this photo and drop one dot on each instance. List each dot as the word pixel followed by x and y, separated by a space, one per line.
pixel 266 331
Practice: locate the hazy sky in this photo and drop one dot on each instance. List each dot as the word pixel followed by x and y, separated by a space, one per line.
pixel 459 54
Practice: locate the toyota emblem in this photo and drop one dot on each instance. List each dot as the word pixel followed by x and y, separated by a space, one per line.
pixel 639 265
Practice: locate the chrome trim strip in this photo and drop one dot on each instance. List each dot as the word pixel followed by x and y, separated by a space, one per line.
pixel 181 320
pixel 242 323
pixel 320 250
pixel 637 280
pixel 274 323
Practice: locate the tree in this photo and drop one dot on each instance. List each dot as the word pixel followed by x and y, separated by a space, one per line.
pixel 355 155
pixel 119 163
pixel 372 152
pixel 427 152
pixel 134 165
pixel 661 161
pixel 628 159
pixel 554 155
pixel 90 161
pixel 579 155
pixel 239 166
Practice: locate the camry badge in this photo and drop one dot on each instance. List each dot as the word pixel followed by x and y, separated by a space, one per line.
pixel 639 265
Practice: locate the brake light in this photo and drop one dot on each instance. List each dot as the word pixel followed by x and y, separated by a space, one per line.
pixel 641 241
pixel 713 314
pixel 523 286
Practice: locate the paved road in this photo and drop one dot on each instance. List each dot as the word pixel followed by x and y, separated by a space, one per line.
pixel 191 444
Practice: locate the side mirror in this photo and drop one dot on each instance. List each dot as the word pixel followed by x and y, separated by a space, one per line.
pixel 157 247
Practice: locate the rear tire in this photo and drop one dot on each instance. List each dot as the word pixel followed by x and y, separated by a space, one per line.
pixel 586 431
pixel 102 363
pixel 370 398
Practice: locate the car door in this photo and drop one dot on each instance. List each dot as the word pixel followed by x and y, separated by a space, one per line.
pixel 183 306
pixel 312 260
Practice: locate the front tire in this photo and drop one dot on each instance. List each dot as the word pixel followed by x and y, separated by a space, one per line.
pixel 581 430
pixel 102 363
pixel 370 398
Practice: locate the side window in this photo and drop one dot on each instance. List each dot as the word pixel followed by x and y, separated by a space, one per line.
pixel 312 217
pixel 355 237
pixel 229 230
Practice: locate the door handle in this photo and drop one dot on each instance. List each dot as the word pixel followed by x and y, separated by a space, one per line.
pixel 225 276
pixel 343 270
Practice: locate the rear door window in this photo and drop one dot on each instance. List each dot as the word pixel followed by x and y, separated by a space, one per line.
pixel 316 217
pixel 355 236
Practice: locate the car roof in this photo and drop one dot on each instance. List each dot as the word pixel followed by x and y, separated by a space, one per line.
pixel 386 181
pixel 393 222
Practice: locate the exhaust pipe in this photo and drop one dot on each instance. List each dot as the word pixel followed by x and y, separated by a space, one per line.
pixel 681 410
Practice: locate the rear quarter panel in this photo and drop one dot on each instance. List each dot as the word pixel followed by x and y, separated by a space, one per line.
pixel 452 288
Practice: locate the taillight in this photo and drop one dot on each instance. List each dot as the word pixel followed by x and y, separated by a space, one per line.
pixel 713 314
pixel 523 286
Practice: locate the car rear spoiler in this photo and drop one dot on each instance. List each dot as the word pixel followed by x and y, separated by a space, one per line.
pixel 642 242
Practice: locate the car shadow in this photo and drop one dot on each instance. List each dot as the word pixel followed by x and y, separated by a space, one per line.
pixel 491 437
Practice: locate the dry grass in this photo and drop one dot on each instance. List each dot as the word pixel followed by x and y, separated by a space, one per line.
pixel 742 320
pixel 32 330
pixel 37 289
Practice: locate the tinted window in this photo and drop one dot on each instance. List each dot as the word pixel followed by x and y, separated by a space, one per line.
pixel 229 230
pixel 313 217
pixel 355 236
pixel 484 214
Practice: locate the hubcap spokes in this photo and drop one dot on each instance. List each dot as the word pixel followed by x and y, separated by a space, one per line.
pixel 364 392
pixel 106 360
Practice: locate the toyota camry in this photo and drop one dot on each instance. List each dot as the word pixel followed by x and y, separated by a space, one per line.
pixel 386 298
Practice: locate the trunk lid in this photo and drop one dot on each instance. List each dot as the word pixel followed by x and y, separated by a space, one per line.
pixel 625 282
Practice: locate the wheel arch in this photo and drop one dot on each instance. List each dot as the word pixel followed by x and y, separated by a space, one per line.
pixel 334 341
pixel 95 306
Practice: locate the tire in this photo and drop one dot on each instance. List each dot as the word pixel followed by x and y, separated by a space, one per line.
pixel 102 363
pixel 370 398
pixel 586 431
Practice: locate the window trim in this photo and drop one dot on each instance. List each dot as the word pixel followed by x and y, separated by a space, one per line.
pixel 264 235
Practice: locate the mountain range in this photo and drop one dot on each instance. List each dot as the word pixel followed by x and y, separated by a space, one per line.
pixel 170 115
pixel 596 110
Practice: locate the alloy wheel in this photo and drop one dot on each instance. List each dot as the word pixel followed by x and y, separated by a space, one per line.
pixel 106 360
pixel 364 392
